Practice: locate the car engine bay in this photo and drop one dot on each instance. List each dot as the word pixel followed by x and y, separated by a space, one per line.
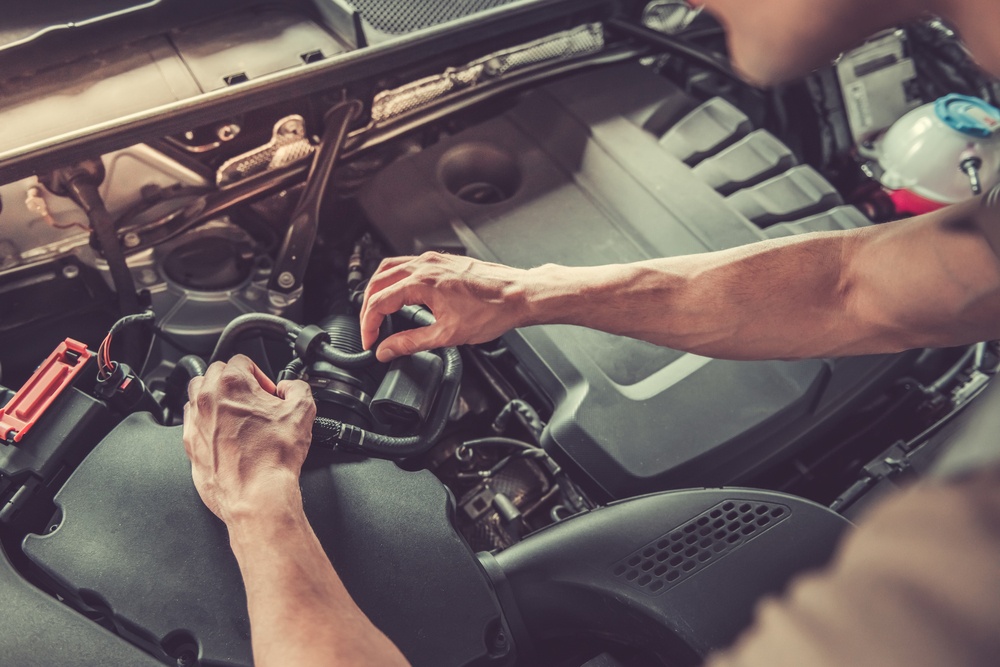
pixel 559 496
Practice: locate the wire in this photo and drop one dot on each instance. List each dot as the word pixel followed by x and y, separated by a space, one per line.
pixel 571 492
pixel 105 363
pixel 680 48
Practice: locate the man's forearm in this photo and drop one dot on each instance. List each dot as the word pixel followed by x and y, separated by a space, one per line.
pixel 932 281
pixel 779 298
pixel 926 282
pixel 300 612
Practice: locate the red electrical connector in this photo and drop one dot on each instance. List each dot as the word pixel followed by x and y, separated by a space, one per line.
pixel 42 388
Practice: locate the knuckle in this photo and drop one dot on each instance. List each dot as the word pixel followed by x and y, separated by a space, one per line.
pixel 214 369
pixel 232 380
pixel 204 401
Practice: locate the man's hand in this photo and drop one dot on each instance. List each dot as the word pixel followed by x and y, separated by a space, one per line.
pixel 247 440
pixel 473 301
pixel 245 436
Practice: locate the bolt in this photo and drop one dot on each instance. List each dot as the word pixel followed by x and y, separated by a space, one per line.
pixel 71 271
pixel 228 132
pixel 286 280
pixel 292 126
pixel 493 67
pixel 498 644
pixel 131 240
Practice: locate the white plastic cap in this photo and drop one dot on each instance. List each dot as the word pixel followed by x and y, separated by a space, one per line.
pixel 928 150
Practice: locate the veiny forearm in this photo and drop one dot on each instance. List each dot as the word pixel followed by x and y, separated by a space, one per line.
pixel 932 281
pixel 778 298
pixel 300 612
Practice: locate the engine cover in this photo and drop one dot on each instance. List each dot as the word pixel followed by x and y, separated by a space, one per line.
pixel 619 165
pixel 136 543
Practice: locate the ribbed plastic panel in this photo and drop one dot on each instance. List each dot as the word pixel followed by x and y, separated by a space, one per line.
pixel 402 16
pixel 703 540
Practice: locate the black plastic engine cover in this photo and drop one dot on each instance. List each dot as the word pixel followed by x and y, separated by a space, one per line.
pixel 136 536
pixel 36 630
pixel 602 168
pixel 678 573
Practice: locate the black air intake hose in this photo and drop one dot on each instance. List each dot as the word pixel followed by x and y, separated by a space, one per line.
pixel 313 339
pixel 260 323
pixel 333 432
pixel 344 331
pixel 293 371
pixel 187 368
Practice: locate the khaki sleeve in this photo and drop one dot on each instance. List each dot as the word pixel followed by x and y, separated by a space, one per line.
pixel 917 584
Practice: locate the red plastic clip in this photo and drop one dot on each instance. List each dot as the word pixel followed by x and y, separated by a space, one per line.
pixel 48 381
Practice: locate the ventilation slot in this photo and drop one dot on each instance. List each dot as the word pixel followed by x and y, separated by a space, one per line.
pixel 683 552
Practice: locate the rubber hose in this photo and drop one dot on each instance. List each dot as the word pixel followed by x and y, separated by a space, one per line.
pixel 293 371
pixel 190 365
pixel 265 325
pixel 349 360
pixel 327 431
pixel 187 368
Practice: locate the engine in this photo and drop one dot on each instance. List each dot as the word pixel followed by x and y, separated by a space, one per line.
pixel 551 497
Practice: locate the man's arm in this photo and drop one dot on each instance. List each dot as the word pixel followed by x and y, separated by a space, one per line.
pixel 247 440
pixel 927 281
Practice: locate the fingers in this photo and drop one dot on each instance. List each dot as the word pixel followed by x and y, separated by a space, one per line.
pixel 187 431
pixel 386 274
pixel 245 364
pixel 409 342
pixel 194 386
pixel 389 272
pixel 387 302
pixel 294 390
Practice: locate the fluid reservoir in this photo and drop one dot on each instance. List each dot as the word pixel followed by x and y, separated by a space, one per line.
pixel 941 153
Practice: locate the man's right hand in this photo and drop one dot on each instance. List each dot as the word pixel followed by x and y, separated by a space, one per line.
pixel 472 301
pixel 246 437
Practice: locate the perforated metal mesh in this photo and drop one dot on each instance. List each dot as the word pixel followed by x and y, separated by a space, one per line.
pixel 402 16
pixel 681 553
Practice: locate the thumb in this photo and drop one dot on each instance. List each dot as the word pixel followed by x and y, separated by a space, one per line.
pixel 408 342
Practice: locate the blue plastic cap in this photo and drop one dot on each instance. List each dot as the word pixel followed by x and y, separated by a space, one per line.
pixel 968 115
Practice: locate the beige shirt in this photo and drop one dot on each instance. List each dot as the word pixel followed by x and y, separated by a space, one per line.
pixel 917 584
